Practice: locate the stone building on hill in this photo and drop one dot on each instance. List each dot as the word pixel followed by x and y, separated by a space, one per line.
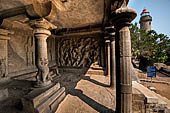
pixel 145 20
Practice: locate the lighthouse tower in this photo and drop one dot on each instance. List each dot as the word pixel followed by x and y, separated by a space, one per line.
pixel 145 20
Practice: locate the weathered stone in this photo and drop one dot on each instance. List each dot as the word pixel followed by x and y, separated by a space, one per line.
pixel 40 100
pixel 121 19
pixel 4 52
pixel 41 33
pixel 3 94
pixel 107 53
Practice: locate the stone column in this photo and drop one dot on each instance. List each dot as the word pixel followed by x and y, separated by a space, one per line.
pixel 121 19
pixel 112 58
pixel 107 51
pixel 41 33
pixel 110 32
pixel 4 52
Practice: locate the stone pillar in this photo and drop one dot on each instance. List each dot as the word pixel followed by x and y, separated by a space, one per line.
pixel 107 51
pixel 110 32
pixel 112 59
pixel 41 33
pixel 4 52
pixel 121 19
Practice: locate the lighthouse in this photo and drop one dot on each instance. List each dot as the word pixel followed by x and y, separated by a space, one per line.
pixel 145 20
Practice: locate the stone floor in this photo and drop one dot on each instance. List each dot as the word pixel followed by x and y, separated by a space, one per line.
pixel 85 94
pixel 91 95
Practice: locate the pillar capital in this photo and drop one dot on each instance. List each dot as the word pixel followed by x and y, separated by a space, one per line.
pixel 41 33
pixel 107 39
pixel 123 17
pixel 110 32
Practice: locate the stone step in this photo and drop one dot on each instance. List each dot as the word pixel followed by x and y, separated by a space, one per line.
pixel 95 71
pixel 164 100
pixel 43 100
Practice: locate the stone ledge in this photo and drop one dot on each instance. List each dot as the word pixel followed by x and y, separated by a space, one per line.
pixel 2 37
pixel 153 101
pixel 150 98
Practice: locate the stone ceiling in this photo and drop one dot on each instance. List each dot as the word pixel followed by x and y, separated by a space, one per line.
pixel 74 13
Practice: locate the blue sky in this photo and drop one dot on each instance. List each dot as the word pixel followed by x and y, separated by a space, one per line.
pixel 159 10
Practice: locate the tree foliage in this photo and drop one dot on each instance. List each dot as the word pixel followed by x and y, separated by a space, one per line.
pixel 149 44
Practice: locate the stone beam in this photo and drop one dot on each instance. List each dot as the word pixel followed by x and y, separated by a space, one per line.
pixel 121 19
pixel 13 12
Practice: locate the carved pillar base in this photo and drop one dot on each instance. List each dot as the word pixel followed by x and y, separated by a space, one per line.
pixel 121 19
pixel 4 52
pixel 43 100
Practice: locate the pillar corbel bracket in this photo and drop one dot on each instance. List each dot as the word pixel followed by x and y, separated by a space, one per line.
pixel 123 16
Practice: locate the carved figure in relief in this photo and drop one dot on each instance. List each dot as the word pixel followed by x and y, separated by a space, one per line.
pixel 43 73
pixel 80 52
pixel 2 67
pixel 29 50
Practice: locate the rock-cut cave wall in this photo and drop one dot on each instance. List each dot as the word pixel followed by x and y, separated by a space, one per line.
pixel 69 51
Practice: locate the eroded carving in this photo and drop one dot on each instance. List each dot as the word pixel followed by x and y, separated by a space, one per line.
pixel 2 67
pixel 42 75
pixel 79 52
pixel 29 50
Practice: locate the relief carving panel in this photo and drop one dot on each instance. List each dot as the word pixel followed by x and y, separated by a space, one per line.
pixel 78 52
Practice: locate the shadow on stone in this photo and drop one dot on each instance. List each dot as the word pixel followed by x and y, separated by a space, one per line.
pixel 95 105
pixel 94 81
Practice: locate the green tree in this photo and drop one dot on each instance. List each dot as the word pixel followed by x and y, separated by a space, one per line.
pixel 149 44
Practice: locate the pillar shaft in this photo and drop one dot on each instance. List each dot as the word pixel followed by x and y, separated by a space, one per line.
pixel 123 58
pixel 113 61
pixel 110 32
pixel 107 51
